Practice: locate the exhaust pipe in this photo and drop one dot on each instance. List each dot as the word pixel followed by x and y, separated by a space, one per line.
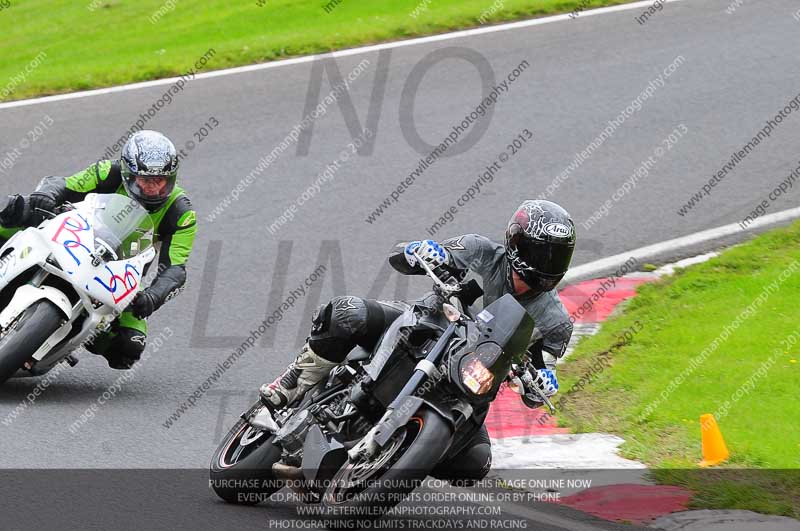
pixel 296 481
pixel 286 472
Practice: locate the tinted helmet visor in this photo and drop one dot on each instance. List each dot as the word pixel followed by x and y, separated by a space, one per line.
pixel 540 264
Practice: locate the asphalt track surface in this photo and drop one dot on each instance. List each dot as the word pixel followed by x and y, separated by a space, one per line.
pixel 740 69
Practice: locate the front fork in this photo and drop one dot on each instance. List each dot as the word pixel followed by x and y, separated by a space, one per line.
pixel 398 412
pixel 368 446
pixel 39 277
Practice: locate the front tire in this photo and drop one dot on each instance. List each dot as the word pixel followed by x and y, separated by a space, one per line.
pixel 426 438
pixel 241 468
pixel 24 337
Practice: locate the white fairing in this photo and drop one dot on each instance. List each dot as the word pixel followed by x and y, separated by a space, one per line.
pixel 71 240
pixel 26 295
pixel 30 249
pixel 65 246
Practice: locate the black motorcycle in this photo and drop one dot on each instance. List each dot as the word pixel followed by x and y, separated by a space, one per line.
pixel 359 442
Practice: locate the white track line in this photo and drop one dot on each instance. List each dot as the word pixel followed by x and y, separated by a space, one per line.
pixel 337 54
pixel 643 253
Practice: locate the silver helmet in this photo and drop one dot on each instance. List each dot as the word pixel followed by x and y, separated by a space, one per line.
pixel 149 166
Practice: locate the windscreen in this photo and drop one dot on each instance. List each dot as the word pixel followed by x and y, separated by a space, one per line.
pixel 120 223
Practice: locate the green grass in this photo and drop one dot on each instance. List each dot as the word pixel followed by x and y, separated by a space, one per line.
pixel 116 42
pixel 680 317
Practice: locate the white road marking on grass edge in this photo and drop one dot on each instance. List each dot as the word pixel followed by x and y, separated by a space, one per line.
pixel 560 451
pixel 340 53
pixel 610 263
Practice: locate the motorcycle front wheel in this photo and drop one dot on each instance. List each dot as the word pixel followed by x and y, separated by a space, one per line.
pixel 369 487
pixel 23 337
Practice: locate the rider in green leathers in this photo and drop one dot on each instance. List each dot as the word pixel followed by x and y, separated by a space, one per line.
pixel 147 172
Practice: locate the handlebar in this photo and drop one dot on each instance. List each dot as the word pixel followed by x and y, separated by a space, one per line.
pixel 65 207
pixel 449 289
pixel 58 210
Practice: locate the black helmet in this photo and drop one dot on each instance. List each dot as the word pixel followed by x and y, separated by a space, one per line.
pixel 149 155
pixel 540 239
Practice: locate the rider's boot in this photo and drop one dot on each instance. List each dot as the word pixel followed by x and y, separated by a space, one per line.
pixel 306 371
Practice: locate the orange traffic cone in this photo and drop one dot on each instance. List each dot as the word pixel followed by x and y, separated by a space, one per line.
pixel 714 449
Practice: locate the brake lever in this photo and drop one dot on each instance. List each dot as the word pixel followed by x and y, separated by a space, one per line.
pixel 66 206
pixel 531 386
pixel 541 396
pixel 45 213
pixel 449 289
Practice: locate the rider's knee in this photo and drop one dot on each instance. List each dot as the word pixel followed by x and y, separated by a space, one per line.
pixel 475 463
pixel 467 467
pixel 129 346
pixel 336 327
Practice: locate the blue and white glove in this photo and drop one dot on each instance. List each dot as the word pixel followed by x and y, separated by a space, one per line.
pixel 434 254
pixel 547 381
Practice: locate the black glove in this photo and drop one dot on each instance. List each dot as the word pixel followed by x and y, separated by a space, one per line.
pixel 42 201
pixel 13 214
pixel 143 305
pixel 38 200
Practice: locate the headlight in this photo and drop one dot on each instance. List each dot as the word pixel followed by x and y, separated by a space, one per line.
pixel 476 373
pixel 476 376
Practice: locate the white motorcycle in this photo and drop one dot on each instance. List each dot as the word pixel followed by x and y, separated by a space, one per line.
pixel 64 282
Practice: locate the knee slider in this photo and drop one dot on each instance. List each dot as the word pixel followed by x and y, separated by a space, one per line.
pixel 132 343
pixel 321 320
pixel 336 327
pixel 478 461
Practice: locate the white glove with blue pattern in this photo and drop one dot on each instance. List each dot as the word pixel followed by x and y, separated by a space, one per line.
pixel 547 381
pixel 434 254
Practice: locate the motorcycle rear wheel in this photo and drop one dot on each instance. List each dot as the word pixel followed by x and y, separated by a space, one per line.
pixel 241 468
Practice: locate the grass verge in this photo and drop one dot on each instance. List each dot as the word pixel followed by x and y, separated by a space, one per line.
pixel 98 43
pixel 721 337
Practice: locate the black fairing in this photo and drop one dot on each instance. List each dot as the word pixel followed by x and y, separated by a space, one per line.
pixel 414 327
pixel 507 324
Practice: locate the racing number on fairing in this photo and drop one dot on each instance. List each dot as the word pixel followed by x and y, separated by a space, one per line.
pixel 128 282
pixel 76 242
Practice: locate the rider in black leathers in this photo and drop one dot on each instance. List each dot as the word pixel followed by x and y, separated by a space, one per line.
pixel 540 239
